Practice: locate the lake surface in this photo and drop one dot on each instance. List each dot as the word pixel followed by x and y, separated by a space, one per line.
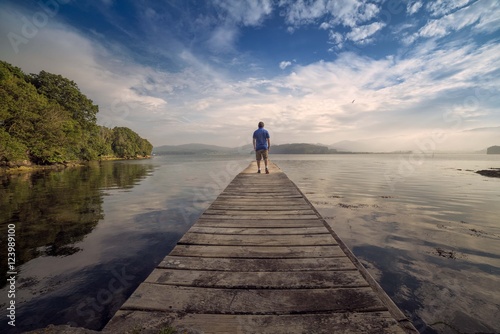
pixel 426 227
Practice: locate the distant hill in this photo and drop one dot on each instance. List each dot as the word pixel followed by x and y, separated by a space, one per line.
pixel 354 146
pixel 247 149
pixel 301 149
pixel 493 150
pixel 200 149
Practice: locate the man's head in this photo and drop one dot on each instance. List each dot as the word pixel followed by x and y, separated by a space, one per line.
pixel 261 125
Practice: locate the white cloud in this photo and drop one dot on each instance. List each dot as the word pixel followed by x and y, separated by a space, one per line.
pixel 348 13
pixel 480 14
pixel 335 38
pixel 298 12
pixel 246 12
pixel 351 13
pixel 413 8
pixel 285 64
pixel 222 39
pixel 362 33
pixel 325 26
pixel 489 21
pixel 443 7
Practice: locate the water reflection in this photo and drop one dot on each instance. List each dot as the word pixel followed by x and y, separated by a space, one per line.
pixel 54 210
pixel 432 241
pixel 116 220
pixel 88 239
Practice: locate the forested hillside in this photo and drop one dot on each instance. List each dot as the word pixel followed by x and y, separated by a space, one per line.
pixel 45 119
pixel 301 149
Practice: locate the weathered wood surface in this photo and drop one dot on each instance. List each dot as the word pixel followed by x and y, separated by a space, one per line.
pixel 260 260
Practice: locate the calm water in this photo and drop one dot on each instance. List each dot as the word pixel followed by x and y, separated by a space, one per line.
pixel 427 228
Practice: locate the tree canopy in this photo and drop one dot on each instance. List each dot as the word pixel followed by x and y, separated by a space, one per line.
pixel 46 119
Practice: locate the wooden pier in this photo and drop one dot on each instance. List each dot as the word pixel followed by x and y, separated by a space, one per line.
pixel 260 259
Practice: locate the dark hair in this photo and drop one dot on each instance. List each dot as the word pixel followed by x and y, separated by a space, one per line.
pixel 261 125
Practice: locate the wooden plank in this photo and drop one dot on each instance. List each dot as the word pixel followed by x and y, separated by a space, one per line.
pixel 259 191
pixel 242 264
pixel 261 194
pixel 250 200
pixel 240 196
pixel 258 280
pixel 256 212
pixel 259 202
pixel 278 185
pixel 260 207
pixel 257 240
pixel 259 230
pixel 156 297
pixel 250 187
pixel 257 251
pixel 262 223
pixel 379 322
pixel 261 216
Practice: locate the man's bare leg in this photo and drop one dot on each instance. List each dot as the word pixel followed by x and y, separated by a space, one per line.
pixel 258 164
pixel 265 163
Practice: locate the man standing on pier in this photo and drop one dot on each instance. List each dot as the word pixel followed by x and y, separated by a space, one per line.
pixel 261 145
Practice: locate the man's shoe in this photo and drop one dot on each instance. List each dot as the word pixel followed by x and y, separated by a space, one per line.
pixel 258 171
pixel 267 171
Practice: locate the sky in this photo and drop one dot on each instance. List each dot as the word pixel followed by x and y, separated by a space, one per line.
pixel 379 75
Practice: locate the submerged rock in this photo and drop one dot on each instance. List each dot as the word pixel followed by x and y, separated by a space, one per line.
pixel 492 172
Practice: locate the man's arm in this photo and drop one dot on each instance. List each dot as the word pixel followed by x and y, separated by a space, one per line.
pixel 254 142
pixel 268 144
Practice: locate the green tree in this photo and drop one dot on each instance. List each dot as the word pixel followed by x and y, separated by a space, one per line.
pixel 66 93
pixel 11 149
pixel 45 118
pixel 128 144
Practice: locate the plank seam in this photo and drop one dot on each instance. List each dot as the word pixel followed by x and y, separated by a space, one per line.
pixel 326 312
pixel 181 243
pixel 261 234
pixel 261 258
pixel 258 287
pixel 253 271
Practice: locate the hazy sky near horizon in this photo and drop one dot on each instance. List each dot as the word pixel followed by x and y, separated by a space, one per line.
pixel 388 74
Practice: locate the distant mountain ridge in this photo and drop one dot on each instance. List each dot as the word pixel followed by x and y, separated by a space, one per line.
pixel 302 148
pixel 344 147
pixel 296 148
pixel 196 148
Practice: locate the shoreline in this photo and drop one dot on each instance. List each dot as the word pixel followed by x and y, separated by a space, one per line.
pixel 32 168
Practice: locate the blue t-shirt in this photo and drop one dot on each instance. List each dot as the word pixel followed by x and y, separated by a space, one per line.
pixel 261 136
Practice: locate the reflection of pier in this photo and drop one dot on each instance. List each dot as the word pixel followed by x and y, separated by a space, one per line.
pixel 261 260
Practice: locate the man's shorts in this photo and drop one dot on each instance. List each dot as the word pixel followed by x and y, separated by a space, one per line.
pixel 261 154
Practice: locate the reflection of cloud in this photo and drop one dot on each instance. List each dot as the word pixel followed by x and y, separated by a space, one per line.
pixel 396 234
